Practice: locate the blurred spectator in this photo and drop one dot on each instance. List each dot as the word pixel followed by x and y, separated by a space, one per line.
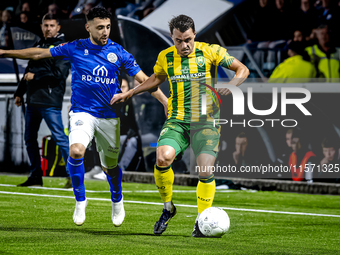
pixel 25 7
pixel 85 10
pixel 281 32
pixel 282 20
pixel 298 36
pixel 5 33
pixel 261 28
pixel 145 9
pixel 241 144
pixel 324 55
pixel 273 27
pixel 44 82
pixel 329 15
pixel 331 152
pixel 306 16
pixel 24 17
pixel 327 12
pixel 54 9
pixel 242 155
pixel 82 8
pixel 302 159
pixel 25 22
pixel 329 165
pixel 286 150
pixel 295 68
pixel 28 8
pixel 140 10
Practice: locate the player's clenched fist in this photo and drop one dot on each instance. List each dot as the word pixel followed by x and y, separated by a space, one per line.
pixel 121 97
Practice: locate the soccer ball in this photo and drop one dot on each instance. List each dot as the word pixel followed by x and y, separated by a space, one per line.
pixel 213 222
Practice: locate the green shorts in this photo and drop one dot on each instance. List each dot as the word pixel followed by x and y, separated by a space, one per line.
pixel 204 138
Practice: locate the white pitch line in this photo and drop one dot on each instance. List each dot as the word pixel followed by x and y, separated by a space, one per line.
pixel 124 191
pixel 180 205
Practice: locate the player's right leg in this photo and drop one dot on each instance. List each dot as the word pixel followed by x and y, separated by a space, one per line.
pixel 171 143
pixel 164 178
pixel 81 133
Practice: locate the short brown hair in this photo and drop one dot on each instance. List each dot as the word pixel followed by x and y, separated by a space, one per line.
pixel 329 143
pixel 181 23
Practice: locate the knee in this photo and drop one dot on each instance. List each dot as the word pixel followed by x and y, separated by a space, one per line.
pixel 77 151
pixel 165 157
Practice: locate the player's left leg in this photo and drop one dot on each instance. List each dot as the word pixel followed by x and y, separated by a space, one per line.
pixel 108 143
pixel 205 146
pixel 205 188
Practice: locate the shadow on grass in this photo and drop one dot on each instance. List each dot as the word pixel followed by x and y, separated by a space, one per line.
pixel 114 232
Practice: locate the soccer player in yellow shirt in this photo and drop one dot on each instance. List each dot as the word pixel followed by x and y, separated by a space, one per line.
pixel 188 66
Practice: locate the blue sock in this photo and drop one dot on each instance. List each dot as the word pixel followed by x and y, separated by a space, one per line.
pixel 77 171
pixel 114 179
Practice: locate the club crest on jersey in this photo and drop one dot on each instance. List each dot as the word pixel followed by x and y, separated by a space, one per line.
pixel 112 57
pixel 86 52
pixel 200 61
pixel 79 123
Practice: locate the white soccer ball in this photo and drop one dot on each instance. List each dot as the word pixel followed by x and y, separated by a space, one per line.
pixel 214 222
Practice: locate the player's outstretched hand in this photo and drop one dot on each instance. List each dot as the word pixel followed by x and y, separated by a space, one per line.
pixel 121 97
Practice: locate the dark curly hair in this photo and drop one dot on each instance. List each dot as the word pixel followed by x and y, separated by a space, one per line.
pixel 181 23
pixel 98 12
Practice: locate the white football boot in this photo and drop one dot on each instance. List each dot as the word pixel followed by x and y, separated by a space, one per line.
pixel 118 213
pixel 101 176
pixel 79 212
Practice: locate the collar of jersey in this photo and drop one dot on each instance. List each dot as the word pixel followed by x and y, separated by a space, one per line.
pixel 98 47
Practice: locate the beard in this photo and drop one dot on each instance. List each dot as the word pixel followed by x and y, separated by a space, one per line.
pixel 99 41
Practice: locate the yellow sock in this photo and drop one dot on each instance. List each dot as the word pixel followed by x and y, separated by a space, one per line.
pixel 205 192
pixel 164 178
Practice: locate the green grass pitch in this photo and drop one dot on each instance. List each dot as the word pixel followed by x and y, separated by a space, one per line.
pixel 39 221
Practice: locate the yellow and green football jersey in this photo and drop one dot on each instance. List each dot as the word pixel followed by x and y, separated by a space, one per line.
pixel 188 77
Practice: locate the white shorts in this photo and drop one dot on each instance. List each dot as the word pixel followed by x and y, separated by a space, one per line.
pixel 84 126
